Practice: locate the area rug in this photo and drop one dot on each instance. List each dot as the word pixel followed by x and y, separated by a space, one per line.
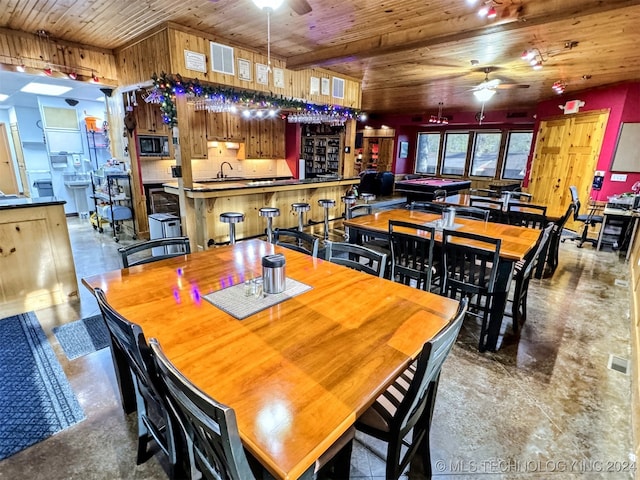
pixel 36 399
pixel 82 336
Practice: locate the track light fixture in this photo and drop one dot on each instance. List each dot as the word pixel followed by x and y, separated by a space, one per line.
pixel 95 78
pixel 21 68
pixel 73 75
pixel 488 9
pixel 534 57
pixel 439 119
pixel 559 87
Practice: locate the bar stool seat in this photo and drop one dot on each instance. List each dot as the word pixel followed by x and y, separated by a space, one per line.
pixel 367 197
pixel 232 218
pixel 269 213
pixel 348 201
pixel 300 208
pixel 326 203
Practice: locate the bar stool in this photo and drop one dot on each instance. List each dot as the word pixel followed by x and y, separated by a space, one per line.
pixel 269 212
pixel 348 201
pixel 232 218
pixel 326 203
pixel 367 197
pixel 300 208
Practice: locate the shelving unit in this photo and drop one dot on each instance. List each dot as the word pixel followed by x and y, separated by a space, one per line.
pixel 322 150
pixel 112 198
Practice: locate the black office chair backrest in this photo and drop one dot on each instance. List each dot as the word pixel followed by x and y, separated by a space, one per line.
pixel 209 426
pixel 296 240
pixel 576 201
pixel 412 253
pixel 356 257
pixel 154 250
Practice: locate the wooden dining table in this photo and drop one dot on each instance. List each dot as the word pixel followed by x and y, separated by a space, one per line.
pixel 297 373
pixel 516 242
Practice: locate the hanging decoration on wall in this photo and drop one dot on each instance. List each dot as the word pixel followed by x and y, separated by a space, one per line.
pixel 221 98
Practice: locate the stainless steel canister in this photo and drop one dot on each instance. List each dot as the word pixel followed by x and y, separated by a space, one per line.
pixel 448 217
pixel 273 273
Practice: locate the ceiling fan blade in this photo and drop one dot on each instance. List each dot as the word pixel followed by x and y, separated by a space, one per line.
pixel 301 7
pixel 507 86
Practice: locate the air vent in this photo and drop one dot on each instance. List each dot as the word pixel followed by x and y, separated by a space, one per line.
pixel 338 88
pixel 517 115
pixel 222 59
pixel 618 364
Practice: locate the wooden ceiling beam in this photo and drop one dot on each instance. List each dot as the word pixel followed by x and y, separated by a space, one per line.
pixel 421 37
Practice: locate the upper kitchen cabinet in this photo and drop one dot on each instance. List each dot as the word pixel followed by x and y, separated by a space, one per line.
pixel 266 138
pixel 149 119
pixel 198 133
pixel 225 127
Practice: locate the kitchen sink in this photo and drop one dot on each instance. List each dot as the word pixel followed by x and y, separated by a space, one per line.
pixel 225 179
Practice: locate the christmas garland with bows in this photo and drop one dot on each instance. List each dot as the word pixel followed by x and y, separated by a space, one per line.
pixel 166 87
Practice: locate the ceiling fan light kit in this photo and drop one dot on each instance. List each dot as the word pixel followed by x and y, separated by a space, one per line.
pixel 270 4
pixel 484 94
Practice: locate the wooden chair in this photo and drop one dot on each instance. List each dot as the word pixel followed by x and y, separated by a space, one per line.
pixel 469 269
pixel 522 272
pixel 356 257
pixel 412 257
pixel 408 403
pixel 550 256
pixel 154 250
pixel 429 207
pixel 473 213
pixel 527 215
pixel 296 240
pixel 129 346
pixel 211 431
pixel 491 205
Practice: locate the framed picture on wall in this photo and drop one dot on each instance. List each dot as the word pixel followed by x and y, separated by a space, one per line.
pixel 404 150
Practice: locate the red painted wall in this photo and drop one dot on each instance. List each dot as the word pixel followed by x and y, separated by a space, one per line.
pixel 293 137
pixel 623 102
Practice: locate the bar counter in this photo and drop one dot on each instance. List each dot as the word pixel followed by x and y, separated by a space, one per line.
pixel 247 196
pixel 35 255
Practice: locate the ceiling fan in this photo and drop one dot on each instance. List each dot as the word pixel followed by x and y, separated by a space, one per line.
pixel 301 7
pixel 485 90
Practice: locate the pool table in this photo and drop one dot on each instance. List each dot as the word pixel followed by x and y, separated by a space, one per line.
pixel 422 188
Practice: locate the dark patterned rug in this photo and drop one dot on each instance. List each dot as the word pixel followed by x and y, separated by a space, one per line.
pixel 36 399
pixel 82 336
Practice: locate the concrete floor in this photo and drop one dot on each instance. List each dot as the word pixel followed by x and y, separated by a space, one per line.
pixel 545 405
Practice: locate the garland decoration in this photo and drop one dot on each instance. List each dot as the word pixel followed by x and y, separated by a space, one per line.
pixel 167 86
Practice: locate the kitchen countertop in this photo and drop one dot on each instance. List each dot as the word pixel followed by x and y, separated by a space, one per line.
pixel 23 202
pixel 247 183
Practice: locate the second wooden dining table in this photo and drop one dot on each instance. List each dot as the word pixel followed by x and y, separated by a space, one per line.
pixel 516 242
pixel 297 373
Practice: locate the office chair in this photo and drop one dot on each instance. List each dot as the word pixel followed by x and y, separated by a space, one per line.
pixel 588 219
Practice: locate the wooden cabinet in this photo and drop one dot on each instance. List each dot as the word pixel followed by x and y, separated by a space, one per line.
pixel 198 133
pixel 265 139
pixel 225 127
pixel 377 153
pixel 149 119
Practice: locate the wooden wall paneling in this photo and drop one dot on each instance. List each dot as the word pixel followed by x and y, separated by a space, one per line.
pixel 139 60
pixel 348 167
pixel 35 52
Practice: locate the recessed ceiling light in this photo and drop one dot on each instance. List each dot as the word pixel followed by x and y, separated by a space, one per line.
pixel 3 97
pixel 44 89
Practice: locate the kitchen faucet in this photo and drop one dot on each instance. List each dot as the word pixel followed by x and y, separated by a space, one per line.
pixel 221 173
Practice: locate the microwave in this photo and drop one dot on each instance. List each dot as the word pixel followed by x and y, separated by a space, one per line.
pixel 153 146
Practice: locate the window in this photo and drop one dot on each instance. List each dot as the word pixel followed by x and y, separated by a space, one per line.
pixel 485 154
pixel 455 153
pixel 515 162
pixel 427 153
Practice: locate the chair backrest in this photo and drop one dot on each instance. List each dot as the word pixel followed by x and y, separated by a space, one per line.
pixel 130 341
pixel 209 426
pixel 296 240
pixel 427 207
pixel 154 250
pixel 428 366
pixel 527 215
pixel 531 261
pixel 473 213
pixel 491 205
pixel 412 253
pixel 575 199
pixel 439 194
pixel 356 257
pixel 360 210
pixel 470 263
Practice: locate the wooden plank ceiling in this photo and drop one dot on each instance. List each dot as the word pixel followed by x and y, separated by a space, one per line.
pixel 410 55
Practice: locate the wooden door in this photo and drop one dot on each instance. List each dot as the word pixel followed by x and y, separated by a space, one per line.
pixel 8 182
pixel 566 153
pixel 22 168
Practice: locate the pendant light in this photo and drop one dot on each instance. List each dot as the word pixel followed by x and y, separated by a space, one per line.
pixel 269 6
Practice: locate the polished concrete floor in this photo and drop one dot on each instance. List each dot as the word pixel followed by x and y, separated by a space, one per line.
pixel 545 405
